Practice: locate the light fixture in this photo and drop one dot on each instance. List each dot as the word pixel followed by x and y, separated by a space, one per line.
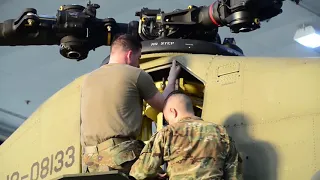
pixel 308 36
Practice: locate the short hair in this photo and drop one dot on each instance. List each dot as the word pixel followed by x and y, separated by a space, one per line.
pixel 127 42
pixel 171 94
pixel 189 105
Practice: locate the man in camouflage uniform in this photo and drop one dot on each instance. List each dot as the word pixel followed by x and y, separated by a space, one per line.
pixel 193 148
pixel 111 108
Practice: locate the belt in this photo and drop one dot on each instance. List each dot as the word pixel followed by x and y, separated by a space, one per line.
pixel 104 145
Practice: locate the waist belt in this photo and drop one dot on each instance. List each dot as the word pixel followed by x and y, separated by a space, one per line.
pixel 104 145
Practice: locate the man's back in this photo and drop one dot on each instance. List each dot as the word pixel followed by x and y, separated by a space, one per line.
pixel 111 103
pixel 194 149
pixel 197 149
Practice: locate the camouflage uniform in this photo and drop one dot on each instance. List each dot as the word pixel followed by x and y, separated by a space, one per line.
pixel 112 156
pixel 193 149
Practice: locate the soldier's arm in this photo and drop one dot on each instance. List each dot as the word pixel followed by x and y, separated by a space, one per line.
pixel 150 159
pixel 149 91
pixel 233 164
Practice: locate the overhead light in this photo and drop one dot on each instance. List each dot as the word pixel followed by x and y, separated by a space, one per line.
pixel 308 36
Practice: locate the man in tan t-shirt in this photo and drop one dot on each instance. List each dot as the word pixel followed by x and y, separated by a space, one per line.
pixel 111 108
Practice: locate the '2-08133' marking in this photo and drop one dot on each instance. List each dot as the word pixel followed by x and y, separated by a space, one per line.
pixel 40 170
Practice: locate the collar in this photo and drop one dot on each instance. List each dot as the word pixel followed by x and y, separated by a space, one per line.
pixel 190 118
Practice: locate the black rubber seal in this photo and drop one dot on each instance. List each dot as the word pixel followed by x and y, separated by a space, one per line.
pixel 184 46
pixel 187 46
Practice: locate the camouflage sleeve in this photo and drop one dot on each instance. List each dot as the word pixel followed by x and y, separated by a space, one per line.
pixel 150 159
pixel 233 165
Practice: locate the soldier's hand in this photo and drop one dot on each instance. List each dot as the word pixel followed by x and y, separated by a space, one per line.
pixel 174 72
pixel 162 176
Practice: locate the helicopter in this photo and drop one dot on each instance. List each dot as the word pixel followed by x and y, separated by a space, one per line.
pixel 270 106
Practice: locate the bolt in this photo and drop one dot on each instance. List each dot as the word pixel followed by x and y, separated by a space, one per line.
pixel 30 21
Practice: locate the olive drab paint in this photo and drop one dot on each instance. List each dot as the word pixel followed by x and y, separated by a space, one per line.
pixel 47 144
pixel 47 166
pixel 269 106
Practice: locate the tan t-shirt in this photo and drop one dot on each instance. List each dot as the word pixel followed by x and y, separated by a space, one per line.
pixel 111 102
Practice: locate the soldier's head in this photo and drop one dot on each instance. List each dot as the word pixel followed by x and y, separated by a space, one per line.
pixel 177 106
pixel 125 49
